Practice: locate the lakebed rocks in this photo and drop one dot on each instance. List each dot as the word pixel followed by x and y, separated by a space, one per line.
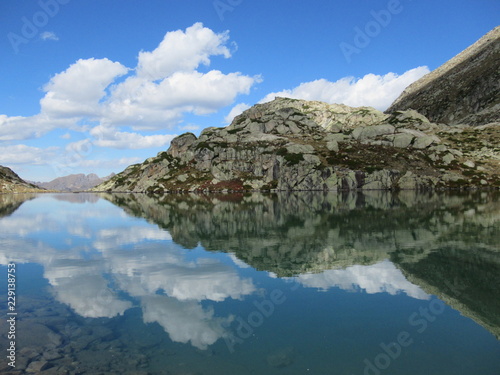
pixel 290 144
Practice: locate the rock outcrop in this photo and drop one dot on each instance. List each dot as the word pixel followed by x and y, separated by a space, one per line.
pixel 465 90
pixel 290 144
pixel 10 182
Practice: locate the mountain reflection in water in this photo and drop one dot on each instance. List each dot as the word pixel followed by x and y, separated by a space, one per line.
pixel 102 263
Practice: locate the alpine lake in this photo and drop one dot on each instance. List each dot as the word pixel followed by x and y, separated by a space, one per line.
pixel 345 283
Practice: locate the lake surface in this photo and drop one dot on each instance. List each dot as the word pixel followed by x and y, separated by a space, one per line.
pixel 303 283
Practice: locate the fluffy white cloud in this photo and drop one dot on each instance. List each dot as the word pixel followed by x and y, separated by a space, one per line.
pixel 21 154
pixel 182 51
pixel 106 136
pixel 115 237
pixel 155 95
pixel 382 277
pixel 147 105
pixel 378 91
pixel 235 111
pixel 20 128
pixel 185 321
pixel 76 92
pixel 80 285
pixel 110 163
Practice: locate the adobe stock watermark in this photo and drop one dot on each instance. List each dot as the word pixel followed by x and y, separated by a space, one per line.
pixel 393 350
pixel 30 26
pixel 224 6
pixel 364 36
pixel 245 327
pixel 72 158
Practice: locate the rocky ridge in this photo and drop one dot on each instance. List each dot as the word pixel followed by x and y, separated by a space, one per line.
pixel 74 182
pixel 290 144
pixel 464 90
pixel 10 182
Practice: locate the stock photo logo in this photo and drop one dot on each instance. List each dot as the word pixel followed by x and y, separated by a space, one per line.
pixel 363 36
pixel 31 26
pixel 224 6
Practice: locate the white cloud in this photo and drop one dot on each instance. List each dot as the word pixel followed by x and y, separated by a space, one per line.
pixel 190 127
pixel 156 95
pixel 21 128
pixel 235 111
pixel 112 138
pixel 378 91
pixel 65 136
pixel 76 92
pixel 113 163
pixel 115 237
pixel 82 286
pixel 147 105
pixel 21 154
pixel 48 35
pixel 185 321
pixel 182 52
pixel 382 277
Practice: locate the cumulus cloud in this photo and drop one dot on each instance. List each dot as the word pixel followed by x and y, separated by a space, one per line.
pixel 235 111
pixel 112 238
pixel 111 137
pixel 49 35
pixel 21 154
pixel 76 92
pixel 185 321
pixel 109 163
pixel 155 95
pixel 182 51
pixel 378 91
pixel 82 287
pixel 382 277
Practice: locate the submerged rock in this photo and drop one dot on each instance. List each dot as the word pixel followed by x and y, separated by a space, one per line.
pixel 282 357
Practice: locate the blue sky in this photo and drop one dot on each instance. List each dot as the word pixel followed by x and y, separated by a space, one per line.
pixel 91 86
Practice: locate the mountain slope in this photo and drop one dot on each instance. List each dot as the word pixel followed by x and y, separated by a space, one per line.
pixel 290 144
pixel 10 182
pixel 74 182
pixel 464 90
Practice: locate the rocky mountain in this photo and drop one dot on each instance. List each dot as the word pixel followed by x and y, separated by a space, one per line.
pixel 465 90
pixel 290 144
pixel 10 182
pixel 74 182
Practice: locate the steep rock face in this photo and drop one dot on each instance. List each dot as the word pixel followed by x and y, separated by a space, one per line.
pixel 291 144
pixel 465 90
pixel 10 182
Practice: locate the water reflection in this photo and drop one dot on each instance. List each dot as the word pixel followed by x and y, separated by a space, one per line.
pixel 194 255
pixel 315 237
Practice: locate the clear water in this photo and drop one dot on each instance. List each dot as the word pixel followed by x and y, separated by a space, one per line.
pixel 303 283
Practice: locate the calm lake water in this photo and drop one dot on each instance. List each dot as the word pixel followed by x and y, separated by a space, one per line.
pixel 303 283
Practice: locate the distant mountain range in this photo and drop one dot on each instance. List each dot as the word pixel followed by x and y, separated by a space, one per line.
pixel 74 182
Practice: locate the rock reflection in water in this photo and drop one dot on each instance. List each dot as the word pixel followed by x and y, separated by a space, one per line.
pixel 105 277
pixel 303 234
